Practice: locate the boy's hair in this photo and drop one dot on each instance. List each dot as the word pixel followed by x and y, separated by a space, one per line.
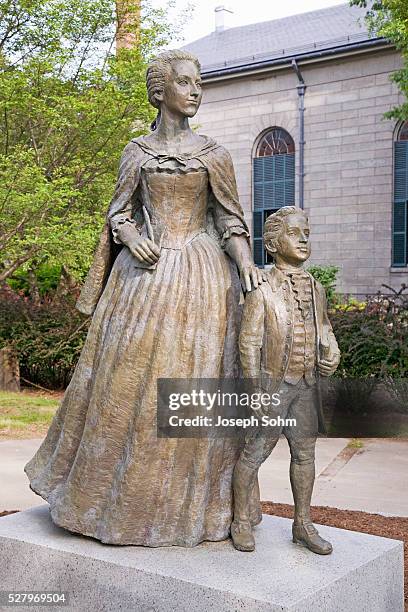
pixel 274 223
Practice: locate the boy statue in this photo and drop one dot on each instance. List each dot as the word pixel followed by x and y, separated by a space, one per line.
pixel 286 343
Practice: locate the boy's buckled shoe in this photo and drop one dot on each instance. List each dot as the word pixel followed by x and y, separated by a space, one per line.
pixel 307 535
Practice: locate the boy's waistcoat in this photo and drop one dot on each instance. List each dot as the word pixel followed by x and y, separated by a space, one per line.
pixel 266 336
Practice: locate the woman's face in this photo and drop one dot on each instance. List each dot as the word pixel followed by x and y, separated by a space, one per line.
pixel 182 90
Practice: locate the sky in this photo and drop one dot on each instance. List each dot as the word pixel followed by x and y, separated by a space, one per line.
pixel 202 21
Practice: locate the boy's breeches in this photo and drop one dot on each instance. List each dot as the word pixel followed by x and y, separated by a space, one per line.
pixel 297 402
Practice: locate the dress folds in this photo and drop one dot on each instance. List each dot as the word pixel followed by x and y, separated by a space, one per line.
pixel 101 467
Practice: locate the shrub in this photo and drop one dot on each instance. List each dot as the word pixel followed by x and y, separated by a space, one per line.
pixel 46 278
pixel 373 336
pixel 47 337
pixel 326 275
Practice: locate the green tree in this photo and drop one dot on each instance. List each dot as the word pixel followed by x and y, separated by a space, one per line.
pixel 68 105
pixel 389 18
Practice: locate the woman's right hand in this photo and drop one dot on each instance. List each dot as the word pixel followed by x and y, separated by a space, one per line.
pixel 144 250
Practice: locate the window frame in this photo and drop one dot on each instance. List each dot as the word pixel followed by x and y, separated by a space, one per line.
pixel 399 229
pixel 277 186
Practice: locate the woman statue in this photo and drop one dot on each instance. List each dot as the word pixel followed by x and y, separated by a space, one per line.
pixel 164 293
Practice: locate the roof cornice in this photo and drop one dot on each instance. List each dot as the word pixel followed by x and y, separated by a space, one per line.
pixel 310 57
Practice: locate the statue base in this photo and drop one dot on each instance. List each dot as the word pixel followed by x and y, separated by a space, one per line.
pixel 363 573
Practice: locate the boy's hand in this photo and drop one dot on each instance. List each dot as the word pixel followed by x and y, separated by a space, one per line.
pixel 328 365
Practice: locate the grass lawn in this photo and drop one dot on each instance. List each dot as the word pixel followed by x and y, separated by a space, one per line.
pixel 27 414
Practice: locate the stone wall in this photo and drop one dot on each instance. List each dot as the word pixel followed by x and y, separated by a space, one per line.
pixel 348 154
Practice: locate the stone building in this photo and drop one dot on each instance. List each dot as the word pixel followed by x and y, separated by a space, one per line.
pixel 299 103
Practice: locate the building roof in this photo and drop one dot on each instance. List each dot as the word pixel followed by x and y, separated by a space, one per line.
pixel 334 27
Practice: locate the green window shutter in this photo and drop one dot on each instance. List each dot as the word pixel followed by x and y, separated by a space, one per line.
pixel 274 187
pixel 289 196
pixel 400 213
pixel 279 194
pixel 258 183
pixel 401 171
pixel 399 232
pixel 257 237
pixel 274 181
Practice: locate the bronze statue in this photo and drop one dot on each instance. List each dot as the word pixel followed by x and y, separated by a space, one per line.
pixel 286 342
pixel 164 292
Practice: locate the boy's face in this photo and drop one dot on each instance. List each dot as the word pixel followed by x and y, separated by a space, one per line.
pixel 293 246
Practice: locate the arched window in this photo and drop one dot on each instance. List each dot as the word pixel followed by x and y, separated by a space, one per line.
pixel 400 208
pixel 276 142
pixel 274 183
pixel 403 132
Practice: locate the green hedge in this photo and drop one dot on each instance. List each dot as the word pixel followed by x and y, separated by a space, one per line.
pixel 48 337
pixel 373 336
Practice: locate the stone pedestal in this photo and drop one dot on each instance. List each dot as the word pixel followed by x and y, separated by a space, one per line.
pixel 364 573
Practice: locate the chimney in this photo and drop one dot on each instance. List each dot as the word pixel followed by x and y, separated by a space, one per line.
pixel 222 18
pixel 127 24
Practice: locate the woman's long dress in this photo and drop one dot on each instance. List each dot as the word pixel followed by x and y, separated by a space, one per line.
pixel 101 467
